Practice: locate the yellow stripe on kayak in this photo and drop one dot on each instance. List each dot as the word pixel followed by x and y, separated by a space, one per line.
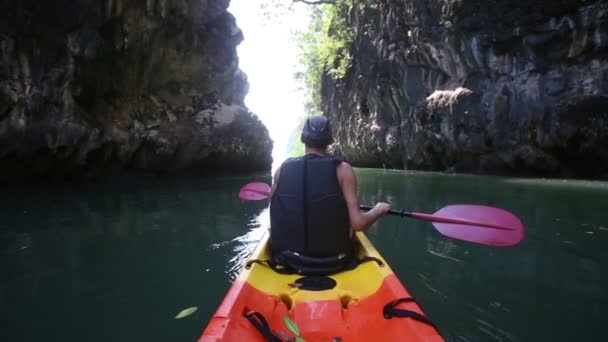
pixel 351 286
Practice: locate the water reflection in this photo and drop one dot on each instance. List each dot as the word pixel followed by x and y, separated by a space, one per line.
pixel 552 287
pixel 130 254
pixel 117 261
pixel 242 246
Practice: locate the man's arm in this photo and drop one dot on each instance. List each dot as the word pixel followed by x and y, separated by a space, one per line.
pixel 348 182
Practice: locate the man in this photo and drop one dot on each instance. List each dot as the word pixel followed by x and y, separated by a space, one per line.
pixel 314 205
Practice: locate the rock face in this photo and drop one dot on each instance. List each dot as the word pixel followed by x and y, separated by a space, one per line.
pixel 517 87
pixel 89 87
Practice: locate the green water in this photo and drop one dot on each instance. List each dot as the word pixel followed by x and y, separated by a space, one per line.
pixel 116 261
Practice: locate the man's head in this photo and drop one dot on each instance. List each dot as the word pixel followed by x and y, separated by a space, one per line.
pixel 316 132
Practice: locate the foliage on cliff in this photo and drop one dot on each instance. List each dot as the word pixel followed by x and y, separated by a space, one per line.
pixel 495 87
pixel 325 48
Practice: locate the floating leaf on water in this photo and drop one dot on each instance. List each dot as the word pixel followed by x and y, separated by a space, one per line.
pixel 291 325
pixel 186 312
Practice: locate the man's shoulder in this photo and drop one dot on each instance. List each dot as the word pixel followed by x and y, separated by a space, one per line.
pixel 290 159
pixel 343 167
pixel 343 163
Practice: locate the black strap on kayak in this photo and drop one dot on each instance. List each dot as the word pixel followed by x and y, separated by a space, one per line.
pixel 260 323
pixel 280 269
pixel 370 258
pixel 300 258
pixel 390 310
pixel 283 266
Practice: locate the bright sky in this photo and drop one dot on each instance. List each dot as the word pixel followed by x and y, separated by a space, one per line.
pixel 269 57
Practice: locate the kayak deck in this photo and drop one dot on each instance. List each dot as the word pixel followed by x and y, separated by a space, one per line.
pixel 351 311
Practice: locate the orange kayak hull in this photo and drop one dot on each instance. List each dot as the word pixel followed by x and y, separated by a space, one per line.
pixel 351 311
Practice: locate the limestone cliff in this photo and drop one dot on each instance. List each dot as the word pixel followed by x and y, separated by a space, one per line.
pixel 517 87
pixel 89 87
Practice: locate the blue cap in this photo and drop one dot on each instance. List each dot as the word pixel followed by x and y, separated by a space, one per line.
pixel 317 132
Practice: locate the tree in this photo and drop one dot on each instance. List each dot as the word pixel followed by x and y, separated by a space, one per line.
pixel 315 2
pixel 325 49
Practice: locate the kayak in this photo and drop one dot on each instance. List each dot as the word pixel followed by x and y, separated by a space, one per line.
pixel 368 303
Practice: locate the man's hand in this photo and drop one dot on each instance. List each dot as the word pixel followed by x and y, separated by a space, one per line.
pixel 382 208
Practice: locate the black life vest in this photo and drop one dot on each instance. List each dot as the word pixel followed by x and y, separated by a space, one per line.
pixel 308 213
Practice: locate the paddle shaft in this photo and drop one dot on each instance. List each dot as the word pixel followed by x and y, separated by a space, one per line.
pixel 261 192
pixel 392 212
pixel 440 219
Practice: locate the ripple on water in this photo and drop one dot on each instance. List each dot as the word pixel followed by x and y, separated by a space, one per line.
pixel 495 332
pixel 444 256
pixel 242 246
pixel 12 243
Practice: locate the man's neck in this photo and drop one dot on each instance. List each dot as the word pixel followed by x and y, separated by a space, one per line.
pixel 314 150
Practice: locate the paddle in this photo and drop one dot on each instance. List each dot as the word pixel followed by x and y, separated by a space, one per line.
pixel 473 223
pixel 255 191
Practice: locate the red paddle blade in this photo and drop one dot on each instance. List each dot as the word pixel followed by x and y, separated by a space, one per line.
pixel 486 225
pixel 254 191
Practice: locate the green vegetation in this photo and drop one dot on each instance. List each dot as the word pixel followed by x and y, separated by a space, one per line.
pixel 295 148
pixel 325 49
